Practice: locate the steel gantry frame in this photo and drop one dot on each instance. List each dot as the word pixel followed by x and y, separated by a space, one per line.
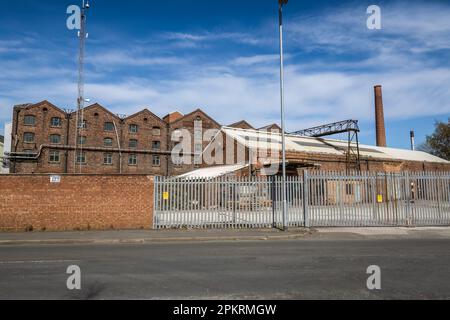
pixel 347 126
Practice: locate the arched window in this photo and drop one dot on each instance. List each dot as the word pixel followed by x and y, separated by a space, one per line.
pixel 133 143
pixel 29 120
pixel 28 137
pixel 55 139
pixel 109 126
pixel 108 142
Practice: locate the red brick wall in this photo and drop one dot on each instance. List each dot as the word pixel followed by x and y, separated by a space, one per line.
pixel 77 203
pixel 44 112
pixel 188 123
pixel 94 148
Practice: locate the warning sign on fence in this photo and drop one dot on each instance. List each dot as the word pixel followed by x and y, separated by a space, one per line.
pixel 166 196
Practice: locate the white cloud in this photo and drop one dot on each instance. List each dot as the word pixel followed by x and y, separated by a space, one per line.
pixel 247 87
pixel 406 26
pixel 208 36
pixel 257 59
pixel 327 96
pixel 121 58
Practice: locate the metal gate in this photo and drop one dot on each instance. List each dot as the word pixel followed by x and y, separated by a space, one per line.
pixel 316 199
pixel 226 202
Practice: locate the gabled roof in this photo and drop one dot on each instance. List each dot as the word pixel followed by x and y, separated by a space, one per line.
pixel 195 111
pixel 23 105
pixel 271 126
pixel 97 105
pixel 242 124
pixel 29 106
pixel 145 111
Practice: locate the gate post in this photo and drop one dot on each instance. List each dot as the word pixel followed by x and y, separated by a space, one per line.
pixel 409 220
pixel 273 199
pixel 306 199
pixel 155 203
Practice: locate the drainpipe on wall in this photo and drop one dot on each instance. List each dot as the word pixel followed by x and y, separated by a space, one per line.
pixel 168 145
pixel 16 141
pixel 118 145
pixel 66 164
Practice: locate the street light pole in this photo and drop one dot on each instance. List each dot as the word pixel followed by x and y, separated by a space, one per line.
pixel 283 131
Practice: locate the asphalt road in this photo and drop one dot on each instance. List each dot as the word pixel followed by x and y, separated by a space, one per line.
pixel 298 269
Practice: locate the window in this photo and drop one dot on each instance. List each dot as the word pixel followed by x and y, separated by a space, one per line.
pixel 156 161
pixel 81 158
pixel 156 131
pixel 55 139
pixel 30 120
pixel 83 125
pixel 54 156
pixel 28 137
pixel 81 140
pixel 108 159
pixel 132 160
pixel 349 189
pixel 133 128
pixel 109 126
pixel 156 145
pixel 55 122
pixel 108 142
pixel 133 144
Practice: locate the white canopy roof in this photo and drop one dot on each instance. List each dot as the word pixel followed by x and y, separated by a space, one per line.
pixel 213 172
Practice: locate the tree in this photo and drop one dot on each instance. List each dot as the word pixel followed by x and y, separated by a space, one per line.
pixel 438 143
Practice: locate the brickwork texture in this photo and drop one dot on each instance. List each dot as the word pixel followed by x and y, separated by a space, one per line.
pixel 77 202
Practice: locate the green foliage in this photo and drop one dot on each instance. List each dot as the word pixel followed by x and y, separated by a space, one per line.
pixel 438 143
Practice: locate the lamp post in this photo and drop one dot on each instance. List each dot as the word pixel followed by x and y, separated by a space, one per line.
pixel 283 131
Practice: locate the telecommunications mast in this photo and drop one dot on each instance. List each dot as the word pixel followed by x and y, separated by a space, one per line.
pixel 80 123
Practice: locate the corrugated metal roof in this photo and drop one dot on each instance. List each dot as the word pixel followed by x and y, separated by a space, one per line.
pixel 255 139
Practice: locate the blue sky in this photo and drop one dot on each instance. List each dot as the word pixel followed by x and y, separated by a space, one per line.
pixel 221 56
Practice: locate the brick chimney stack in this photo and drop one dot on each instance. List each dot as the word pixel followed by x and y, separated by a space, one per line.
pixel 379 117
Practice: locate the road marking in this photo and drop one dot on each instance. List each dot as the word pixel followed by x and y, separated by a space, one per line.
pixel 37 262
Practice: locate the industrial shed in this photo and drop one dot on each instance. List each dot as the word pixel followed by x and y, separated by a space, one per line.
pixel 263 148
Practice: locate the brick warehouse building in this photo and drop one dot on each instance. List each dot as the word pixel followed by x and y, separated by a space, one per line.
pixel 43 140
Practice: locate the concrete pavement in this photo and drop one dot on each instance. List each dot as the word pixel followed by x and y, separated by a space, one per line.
pixel 157 236
pixel 149 236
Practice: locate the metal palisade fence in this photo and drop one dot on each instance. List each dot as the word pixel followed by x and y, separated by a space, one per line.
pixel 315 199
